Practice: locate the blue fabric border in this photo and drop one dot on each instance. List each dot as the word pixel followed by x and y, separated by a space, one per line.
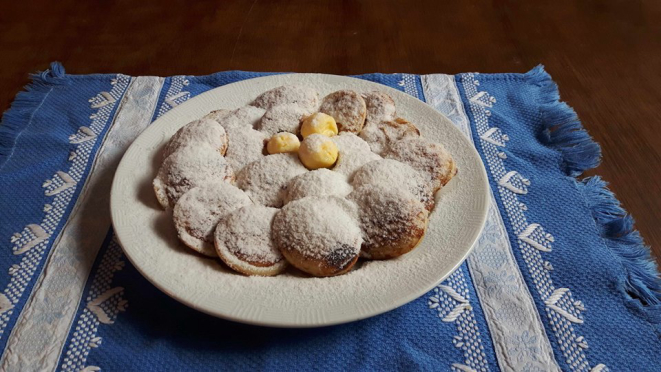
pixel 16 123
pixel 19 116
pixel 558 129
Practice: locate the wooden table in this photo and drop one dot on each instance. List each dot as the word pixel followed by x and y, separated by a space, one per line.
pixel 605 55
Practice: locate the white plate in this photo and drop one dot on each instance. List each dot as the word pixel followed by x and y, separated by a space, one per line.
pixel 147 234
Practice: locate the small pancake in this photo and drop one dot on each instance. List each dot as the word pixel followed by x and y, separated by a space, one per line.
pixel 381 134
pixel 354 152
pixel 429 158
pixel 347 108
pixel 217 115
pixel 320 182
pixel 380 107
pixel 265 181
pixel 203 131
pixel 392 221
pixel 243 117
pixel 198 211
pixel 318 235
pixel 283 118
pixel 288 94
pixel 189 166
pixel 245 146
pixel 243 241
pixel 395 174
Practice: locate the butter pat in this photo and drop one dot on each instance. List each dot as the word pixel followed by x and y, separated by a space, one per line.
pixel 318 151
pixel 319 123
pixel 283 142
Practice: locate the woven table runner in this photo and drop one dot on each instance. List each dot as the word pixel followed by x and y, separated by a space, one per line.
pixel 559 279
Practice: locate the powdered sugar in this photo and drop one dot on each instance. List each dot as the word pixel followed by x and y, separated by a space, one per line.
pixel 429 158
pixel 315 142
pixel 380 107
pixel 349 142
pixel 245 235
pixel 395 174
pixel 273 180
pixel 353 153
pixel 245 146
pixel 283 118
pixel 391 219
pixel 319 123
pixel 217 115
pixel 320 182
pixel 203 131
pixel 190 166
pixel 347 108
pixel 265 180
pixel 288 94
pixel 245 117
pixel 381 134
pixel 374 136
pixel 198 211
pixel 318 228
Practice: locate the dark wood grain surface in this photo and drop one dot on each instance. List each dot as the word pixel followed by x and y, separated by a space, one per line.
pixel 604 54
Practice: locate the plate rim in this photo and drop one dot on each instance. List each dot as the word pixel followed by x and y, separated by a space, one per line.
pixel 403 300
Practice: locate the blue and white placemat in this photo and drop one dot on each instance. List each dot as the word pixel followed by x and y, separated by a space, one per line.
pixel 559 279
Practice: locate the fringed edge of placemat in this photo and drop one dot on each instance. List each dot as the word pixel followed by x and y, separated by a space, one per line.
pixel 20 114
pixel 617 228
pixel 564 132
pixel 563 129
pixel 641 283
